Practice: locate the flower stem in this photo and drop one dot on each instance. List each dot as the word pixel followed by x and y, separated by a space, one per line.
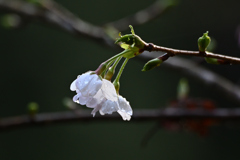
pixel 116 56
pixel 105 65
pixel 116 63
pixel 110 72
pixel 116 81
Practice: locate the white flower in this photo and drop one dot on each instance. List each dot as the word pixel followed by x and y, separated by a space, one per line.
pixel 95 93
pixel 99 95
pixel 125 109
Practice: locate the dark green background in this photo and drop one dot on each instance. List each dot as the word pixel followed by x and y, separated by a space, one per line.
pixel 38 63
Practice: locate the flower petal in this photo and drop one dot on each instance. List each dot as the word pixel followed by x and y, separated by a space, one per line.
pixel 83 82
pixel 125 109
pixel 109 90
pixel 73 86
pixel 83 100
pixel 94 111
pixel 95 100
pixel 94 86
pixel 109 107
pixel 124 105
pixel 124 115
pixel 76 97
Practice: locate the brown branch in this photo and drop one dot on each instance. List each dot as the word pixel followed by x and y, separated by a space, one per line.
pixel 173 52
pixel 139 115
pixel 54 14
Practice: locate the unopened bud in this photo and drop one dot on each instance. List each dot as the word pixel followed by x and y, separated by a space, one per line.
pixel 203 42
pixel 211 60
pixel 10 21
pixel 32 108
pixel 101 68
pixel 152 64
pixel 183 89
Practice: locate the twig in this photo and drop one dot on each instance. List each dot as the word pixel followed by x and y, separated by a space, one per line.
pixel 224 86
pixel 54 14
pixel 150 133
pixel 139 115
pixel 172 52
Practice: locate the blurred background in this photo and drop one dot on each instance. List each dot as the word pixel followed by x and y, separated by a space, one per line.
pixel 38 64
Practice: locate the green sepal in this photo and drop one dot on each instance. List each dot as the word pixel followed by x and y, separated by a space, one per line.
pixel 131 40
pixel 109 74
pixel 132 30
pixel 117 86
pixel 211 60
pixel 124 46
pixel 203 42
pixel 128 39
pixel 152 64
pixel 131 52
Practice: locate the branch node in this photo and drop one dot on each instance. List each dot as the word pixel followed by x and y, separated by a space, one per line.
pixel 149 47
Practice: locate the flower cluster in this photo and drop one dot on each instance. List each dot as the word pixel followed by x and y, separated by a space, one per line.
pixel 95 89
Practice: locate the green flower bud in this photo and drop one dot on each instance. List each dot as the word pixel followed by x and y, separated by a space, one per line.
pixel 101 68
pixel 32 108
pixel 68 102
pixel 183 89
pixel 211 60
pixel 203 42
pixel 152 64
pixel 10 21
